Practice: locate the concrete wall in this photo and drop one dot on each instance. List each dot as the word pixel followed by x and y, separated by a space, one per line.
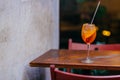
pixel 28 28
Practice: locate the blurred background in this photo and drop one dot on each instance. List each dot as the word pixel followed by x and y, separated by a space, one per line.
pixel 74 13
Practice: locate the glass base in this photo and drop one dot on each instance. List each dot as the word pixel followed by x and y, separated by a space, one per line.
pixel 86 61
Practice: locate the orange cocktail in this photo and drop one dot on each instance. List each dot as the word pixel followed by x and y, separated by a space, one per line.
pixel 88 33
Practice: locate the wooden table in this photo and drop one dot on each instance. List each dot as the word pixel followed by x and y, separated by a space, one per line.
pixel 109 60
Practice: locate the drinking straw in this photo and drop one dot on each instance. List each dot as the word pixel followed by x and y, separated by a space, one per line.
pixel 95 11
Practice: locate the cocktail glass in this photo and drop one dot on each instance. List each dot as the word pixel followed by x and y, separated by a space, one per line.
pixel 88 34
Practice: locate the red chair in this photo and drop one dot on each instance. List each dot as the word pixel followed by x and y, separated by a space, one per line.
pixel 80 46
pixel 109 47
pixel 61 75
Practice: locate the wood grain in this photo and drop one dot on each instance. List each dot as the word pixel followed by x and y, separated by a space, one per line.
pixel 103 59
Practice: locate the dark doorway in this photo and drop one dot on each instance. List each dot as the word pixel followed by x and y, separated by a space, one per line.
pixel 74 13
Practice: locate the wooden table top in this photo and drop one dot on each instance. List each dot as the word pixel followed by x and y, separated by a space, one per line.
pixel 109 60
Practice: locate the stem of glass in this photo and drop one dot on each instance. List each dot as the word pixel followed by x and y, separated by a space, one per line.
pixel 88 53
pixel 87 59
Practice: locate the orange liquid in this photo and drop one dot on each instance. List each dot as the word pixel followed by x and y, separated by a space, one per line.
pixel 89 39
pixel 88 35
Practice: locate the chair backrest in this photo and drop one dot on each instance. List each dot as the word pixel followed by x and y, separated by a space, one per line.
pixel 80 46
pixel 61 75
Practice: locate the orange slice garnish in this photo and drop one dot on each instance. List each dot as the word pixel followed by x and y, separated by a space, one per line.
pixel 86 31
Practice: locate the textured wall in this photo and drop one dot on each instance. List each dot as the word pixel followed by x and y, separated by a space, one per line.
pixel 28 28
